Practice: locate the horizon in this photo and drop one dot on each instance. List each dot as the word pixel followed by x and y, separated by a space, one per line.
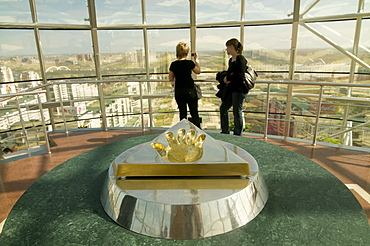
pixel 170 52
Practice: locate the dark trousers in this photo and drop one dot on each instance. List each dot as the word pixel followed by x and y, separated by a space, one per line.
pixel 237 101
pixel 184 98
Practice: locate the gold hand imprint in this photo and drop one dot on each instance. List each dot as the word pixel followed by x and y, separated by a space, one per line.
pixel 184 149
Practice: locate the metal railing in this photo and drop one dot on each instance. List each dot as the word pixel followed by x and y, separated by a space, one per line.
pixel 25 134
pixel 145 94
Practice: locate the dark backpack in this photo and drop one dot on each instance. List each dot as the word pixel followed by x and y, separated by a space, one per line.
pixel 250 77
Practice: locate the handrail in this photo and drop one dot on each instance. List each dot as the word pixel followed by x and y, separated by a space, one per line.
pixel 350 129
pixel 23 94
pixel 25 135
pixel 141 96
pixel 213 81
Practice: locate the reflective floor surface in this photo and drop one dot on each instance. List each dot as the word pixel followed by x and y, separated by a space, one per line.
pixel 351 167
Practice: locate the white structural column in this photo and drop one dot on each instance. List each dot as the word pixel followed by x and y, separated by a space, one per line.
pixel 41 57
pixel 193 30
pixel 356 42
pixel 94 38
pixel 293 52
pixel 242 18
pixel 146 50
pixel 192 26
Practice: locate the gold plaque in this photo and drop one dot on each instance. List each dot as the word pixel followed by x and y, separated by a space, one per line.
pixel 178 184
pixel 191 169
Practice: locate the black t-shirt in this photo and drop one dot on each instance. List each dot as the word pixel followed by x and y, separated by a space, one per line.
pixel 236 73
pixel 182 70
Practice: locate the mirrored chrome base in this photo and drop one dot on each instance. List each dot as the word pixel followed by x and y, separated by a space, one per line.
pixel 184 208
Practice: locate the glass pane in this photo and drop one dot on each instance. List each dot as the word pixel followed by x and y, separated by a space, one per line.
pixel 11 133
pixel 62 12
pixel 81 114
pixel 364 52
pixel 121 88
pixel 161 102
pixel 122 52
pixel 163 119
pixel 162 88
pixel 9 114
pixel 18 56
pixel 134 121
pixel 267 9
pixel 331 130
pixel 67 54
pixel 162 48
pixel 277 109
pixel 218 11
pixel 270 54
pixel 211 49
pixel 210 120
pixel 67 92
pixel 329 7
pixel 160 97
pixel 367 6
pixel 15 11
pixel 167 12
pixel 316 55
pixel 124 100
pixel 254 116
pixel 115 12
pixel 340 32
pixel 333 107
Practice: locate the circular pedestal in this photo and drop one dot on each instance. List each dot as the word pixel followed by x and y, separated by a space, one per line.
pixel 184 208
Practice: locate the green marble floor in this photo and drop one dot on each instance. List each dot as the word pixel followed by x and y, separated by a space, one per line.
pixel 307 205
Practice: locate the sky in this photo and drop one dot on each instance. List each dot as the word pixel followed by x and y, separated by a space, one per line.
pixel 128 12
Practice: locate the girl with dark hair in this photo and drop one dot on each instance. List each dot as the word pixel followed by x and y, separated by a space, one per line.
pixel 180 74
pixel 236 89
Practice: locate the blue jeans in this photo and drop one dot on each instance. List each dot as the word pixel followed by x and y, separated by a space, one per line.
pixel 237 101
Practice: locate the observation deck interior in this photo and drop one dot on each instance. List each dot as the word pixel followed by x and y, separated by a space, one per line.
pixel 89 65
pixel 350 166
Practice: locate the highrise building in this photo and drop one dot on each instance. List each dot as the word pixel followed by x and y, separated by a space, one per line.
pixel 6 74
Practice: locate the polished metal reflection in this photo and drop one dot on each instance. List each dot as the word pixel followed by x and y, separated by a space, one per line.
pixel 183 149
pixel 184 208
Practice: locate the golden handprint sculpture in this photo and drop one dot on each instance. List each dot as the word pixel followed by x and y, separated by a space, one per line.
pixel 183 149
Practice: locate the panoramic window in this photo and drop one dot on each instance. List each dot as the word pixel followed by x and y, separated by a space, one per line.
pixel 162 48
pixel 340 32
pixel 364 52
pixel 367 5
pixel 268 54
pixel 117 12
pixel 18 60
pixel 328 7
pixel 267 9
pixel 211 48
pixel 315 55
pixel 331 59
pixel 121 52
pixel 67 54
pixel 15 11
pixel 364 47
pixel 218 11
pixel 62 12
pixel 167 12
pixel 131 46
